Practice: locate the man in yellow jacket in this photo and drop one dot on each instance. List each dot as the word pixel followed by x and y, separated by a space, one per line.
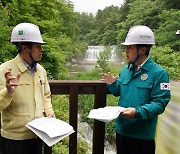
pixel 24 92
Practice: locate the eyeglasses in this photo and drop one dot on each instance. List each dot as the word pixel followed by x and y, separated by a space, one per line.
pixel 38 45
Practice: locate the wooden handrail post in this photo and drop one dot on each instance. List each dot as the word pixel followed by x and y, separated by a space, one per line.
pixel 99 127
pixel 47 149
pixel 73 118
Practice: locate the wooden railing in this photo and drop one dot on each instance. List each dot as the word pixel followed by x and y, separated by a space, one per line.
pixel 74 88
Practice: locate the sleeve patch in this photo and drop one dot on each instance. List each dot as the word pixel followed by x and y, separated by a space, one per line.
pixel 165 86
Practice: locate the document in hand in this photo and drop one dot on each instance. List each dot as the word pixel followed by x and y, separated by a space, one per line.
pixel 106 114
pixel 50 130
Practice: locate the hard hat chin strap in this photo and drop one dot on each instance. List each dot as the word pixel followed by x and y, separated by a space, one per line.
pixel 137 58
pixel 34 63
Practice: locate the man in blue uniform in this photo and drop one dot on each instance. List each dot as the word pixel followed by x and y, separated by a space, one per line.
pixel 143 87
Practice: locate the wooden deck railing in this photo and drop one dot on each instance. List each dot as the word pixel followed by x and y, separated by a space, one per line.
pixel 74 88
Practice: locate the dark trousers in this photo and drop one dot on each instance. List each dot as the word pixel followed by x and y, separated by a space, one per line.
pixel 30 146
pixel 127 145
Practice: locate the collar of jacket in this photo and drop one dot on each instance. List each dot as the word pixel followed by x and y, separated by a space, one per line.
pixel 20 64
pixel 145 65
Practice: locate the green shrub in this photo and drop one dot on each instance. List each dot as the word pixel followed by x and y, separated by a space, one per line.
pixel 168 59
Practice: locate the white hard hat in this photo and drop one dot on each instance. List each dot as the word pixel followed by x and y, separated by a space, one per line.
pixel 139 35
pixel 26 32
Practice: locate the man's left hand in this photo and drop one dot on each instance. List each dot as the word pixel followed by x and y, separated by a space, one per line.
pixel 128 113
pixel 51 115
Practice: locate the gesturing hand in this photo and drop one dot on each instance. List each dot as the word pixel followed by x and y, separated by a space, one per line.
pixel 109 78
pixel 11 82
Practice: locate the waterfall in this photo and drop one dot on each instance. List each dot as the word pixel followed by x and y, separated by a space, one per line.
pixel 92 53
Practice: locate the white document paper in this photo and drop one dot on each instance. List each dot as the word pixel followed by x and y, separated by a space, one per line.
pixel 106 114
pixel 50 130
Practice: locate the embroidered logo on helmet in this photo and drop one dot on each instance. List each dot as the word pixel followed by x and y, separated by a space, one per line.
pixel 21 32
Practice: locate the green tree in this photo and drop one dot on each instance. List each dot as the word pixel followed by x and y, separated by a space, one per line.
pixel 103 58
pixel 172 4
pixel 168 59
pixel 169 24
pixel 92 37
pixel 7 50
pixel 86 23
pixel 106 21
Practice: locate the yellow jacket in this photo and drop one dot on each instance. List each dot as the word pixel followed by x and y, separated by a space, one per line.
pixel 30 100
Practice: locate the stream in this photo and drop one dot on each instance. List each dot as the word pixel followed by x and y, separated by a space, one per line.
pixel 86 134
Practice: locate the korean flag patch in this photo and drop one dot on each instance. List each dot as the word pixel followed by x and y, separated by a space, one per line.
pixel 165 86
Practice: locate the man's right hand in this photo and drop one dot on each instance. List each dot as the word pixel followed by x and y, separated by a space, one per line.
pixel 11 82
pixel 109 78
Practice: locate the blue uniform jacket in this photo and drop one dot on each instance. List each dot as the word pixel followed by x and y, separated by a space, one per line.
pixel 148 91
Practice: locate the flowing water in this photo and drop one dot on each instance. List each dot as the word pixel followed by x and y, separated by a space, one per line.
pixel 86 134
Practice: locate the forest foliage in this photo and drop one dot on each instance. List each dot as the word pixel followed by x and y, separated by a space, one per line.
pixel 68 33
